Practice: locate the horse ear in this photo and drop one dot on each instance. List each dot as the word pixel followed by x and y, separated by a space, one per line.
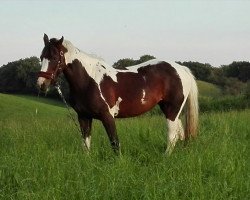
pixel 45 39
pixel 61 40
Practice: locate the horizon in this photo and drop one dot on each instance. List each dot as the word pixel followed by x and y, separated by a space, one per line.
pixel 213 32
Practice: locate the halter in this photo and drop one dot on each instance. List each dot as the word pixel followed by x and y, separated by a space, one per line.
pixel 52 75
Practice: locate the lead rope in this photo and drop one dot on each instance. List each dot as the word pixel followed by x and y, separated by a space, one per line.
pixel 38 97
pixel 57 86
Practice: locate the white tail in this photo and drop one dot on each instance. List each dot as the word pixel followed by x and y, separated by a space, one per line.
pixel 192 110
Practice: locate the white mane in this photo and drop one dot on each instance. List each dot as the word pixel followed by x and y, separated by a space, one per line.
pixel 71 48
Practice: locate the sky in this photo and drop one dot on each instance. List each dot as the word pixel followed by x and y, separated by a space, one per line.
pixel 215 32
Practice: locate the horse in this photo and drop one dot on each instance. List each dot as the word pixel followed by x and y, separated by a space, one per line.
pixel 99 91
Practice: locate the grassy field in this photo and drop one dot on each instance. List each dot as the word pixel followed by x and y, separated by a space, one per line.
pixel 41 157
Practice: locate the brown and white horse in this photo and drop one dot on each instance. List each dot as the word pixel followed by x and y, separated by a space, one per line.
pixel 99 91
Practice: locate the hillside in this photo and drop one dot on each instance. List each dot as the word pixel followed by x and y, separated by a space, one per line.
pixel 15 106
pixel 208 89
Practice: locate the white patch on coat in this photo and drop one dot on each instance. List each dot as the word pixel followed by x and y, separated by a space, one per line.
pixel 136 67
pixel 97 68
pixel 186 80
pixel 143 101
pixel 173 136
pixel 114 111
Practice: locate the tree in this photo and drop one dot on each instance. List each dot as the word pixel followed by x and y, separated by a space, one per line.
pixel 126 62
pixel 201 71
pixel 19 76
pixel 145 58
pixel 123 63
pixel 240 70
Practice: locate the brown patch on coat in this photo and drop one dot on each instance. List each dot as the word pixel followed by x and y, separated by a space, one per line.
pixel 161 84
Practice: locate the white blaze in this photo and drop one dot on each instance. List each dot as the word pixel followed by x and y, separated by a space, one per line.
pixel 44 68
pixel 45 65
pixel 40 81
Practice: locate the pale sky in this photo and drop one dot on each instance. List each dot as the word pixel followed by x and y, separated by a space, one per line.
pixel 215 32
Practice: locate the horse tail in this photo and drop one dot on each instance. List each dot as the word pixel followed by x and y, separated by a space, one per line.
pixel 192 110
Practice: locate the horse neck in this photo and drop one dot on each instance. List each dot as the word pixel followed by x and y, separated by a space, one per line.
pixel 81 67
pixel 88 63
pixel 92 66
pixel 76 76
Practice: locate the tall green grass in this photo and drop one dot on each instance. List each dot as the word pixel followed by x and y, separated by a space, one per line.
pixel 41 157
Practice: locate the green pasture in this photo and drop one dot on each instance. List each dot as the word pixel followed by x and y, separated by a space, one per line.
pixel 41 157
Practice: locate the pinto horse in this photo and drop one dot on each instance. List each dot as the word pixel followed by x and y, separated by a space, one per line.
pixel 99 91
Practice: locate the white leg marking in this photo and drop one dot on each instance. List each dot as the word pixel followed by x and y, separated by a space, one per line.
pixel 173 136
pixel 87 142
pixel 180 130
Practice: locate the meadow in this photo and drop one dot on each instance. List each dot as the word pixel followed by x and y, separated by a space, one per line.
pixel 41 156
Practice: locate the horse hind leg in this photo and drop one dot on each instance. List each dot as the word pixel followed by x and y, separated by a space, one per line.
pixel 175 129
pixel 180 130
pixel 175 132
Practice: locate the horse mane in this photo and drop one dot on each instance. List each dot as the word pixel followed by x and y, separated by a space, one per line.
pixel 72 49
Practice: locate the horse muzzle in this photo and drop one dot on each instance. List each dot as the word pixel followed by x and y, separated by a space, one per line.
pixel 43 84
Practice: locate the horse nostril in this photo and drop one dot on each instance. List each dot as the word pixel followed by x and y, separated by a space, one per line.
pixel 43 87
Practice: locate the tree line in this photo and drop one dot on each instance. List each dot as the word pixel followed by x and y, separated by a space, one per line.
pixel 20 76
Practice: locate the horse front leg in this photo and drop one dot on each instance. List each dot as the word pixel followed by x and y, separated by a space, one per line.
pixel 109 124
pixel 85 124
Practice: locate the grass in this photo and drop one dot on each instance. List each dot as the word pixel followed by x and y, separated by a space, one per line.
pixel 41 157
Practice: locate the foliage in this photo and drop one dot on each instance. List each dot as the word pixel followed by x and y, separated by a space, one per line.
pixel 126 62
pixel 19 76
pixel 42 158
pixel 247 90
pixel 230 78
pixel 201 71
pixel 123 63
pixel 223 104
pixel 239 70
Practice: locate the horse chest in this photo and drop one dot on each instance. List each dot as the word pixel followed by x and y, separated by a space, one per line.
pixel 87 103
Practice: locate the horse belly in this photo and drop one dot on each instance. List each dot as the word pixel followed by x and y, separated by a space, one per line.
pixel 136 107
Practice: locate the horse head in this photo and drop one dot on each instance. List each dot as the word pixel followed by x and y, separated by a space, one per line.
pixel 53 62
